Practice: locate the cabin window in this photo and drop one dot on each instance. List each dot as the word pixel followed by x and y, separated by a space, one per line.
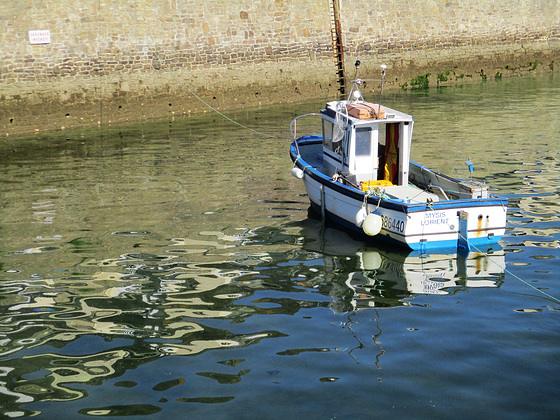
pixel 337 141
pixel 327 134
pixel 363 141
pixel 343 145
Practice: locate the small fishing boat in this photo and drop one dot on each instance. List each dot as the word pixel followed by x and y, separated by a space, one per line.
pixel 358 174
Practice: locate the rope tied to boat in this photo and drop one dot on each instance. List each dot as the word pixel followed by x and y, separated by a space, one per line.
pixel 375 192
pixel 430 203
pixel 526 283
pixel 194 94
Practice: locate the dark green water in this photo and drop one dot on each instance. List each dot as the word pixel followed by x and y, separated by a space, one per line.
pixel 169 269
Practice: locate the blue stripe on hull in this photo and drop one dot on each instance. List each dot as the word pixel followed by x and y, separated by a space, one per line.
pixel 480 242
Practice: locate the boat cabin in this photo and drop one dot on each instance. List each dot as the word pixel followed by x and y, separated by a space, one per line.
pixel 366 144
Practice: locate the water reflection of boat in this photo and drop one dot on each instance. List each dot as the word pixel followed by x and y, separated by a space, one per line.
pixel 358 174
pixel 135 308
pixel 390 277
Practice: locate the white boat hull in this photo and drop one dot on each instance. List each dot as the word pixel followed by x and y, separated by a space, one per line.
pixel 419 226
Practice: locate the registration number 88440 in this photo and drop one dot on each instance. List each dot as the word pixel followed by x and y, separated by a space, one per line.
pixel 390 223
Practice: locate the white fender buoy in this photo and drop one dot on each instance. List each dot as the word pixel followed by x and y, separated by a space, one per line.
pixel 360 217
pixel 372 224
pixel 298 173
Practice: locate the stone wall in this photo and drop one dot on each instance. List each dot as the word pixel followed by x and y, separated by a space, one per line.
pixel 112 61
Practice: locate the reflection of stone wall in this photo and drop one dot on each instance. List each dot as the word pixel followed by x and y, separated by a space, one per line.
pixel 116 60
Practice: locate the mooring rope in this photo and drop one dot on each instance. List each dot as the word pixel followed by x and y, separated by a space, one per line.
pixel 210 106
pixel 553 298
pixel 184 85
pixel 549 296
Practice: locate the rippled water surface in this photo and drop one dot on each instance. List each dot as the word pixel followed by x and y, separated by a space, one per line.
pixel 170 269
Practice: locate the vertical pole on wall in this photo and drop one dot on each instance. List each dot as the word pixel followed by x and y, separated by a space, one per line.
pixel 100 75
pixel 338 50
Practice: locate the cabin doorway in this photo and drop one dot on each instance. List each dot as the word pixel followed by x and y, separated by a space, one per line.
pixel 389 149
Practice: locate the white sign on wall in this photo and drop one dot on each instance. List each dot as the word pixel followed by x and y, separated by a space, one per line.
pixel 42 36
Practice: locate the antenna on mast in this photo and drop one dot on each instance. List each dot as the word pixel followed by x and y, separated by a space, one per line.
pixel 383 68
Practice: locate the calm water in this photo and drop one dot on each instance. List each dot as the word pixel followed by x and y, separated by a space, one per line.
pixel 170 269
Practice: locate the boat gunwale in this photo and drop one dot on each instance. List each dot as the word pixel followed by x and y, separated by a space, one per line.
pixel 389 203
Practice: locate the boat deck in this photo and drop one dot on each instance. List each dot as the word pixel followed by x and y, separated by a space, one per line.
pixel 410 193
pixel 313 155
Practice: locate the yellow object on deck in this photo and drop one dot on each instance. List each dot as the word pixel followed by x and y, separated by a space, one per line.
pixel 368 185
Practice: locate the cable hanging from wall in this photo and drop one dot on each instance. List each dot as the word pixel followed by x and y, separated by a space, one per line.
pixel 193 93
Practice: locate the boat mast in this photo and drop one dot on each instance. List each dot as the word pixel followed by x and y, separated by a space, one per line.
pixel 383 68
